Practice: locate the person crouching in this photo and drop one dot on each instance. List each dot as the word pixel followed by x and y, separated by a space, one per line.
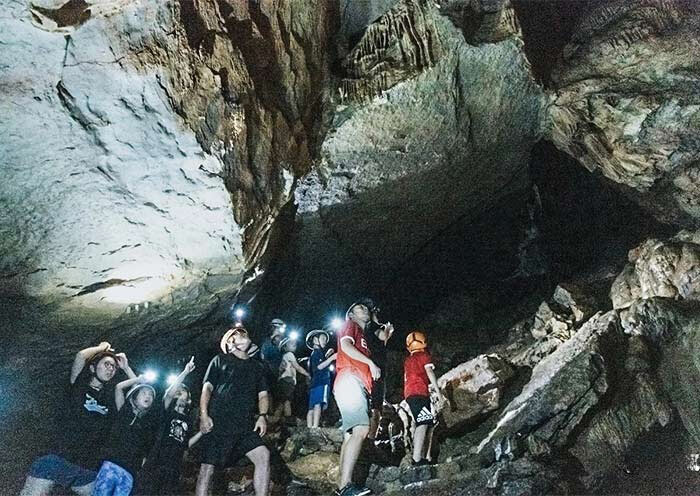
pixel 129 439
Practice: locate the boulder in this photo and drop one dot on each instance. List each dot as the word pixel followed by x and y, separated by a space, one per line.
pixel 563 387
pixel 473 389
pixel 665 268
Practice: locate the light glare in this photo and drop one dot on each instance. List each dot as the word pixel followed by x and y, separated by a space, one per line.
pixel 150 375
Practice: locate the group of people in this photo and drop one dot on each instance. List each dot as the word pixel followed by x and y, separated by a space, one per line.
pixel 121 433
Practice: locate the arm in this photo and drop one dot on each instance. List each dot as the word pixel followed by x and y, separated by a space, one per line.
pixel 123 364
pixel 385 333
pixel 263 407
pixel 170 392
pixel 83 356
pixel 430 370
pixel 350 350
pixel 298 367
pixel 327 361
pixel 119 390
pixel 193 440
pixel 206 424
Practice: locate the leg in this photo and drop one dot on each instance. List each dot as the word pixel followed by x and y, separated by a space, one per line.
pixel 206 472
pixel 429 445
pixel 418 442
pixel 317 415
pixel 287 408
pixel 260 457
pixel 106 480
pixel 350 452
pixel 310 418
pixel 124 485
pixel 374 423
pixel 36 487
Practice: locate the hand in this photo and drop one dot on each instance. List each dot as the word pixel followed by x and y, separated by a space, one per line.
pixel 206 424
pixel 122 361
pixel 375 371
pixel 389 330
pixel 334 357
pixel 261 426
pixel 105 346
pixel 190 365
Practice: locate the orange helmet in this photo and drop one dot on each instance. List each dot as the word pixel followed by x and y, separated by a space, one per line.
pixel 416 341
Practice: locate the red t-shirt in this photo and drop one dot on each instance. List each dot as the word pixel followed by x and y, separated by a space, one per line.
pixel 345 364
pixel 415 378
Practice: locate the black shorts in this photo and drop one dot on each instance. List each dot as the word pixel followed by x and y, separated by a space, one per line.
pixel 285 389
pixel 378 394
pixel 420 409
pixel 225 449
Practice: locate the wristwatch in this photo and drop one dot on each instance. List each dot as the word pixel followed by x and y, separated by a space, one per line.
pixel 262 415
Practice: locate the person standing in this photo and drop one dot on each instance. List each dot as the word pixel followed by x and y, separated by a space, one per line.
pixel 234 389
pixel 321 375
pixel 419 374
pixel 161 472
pixel 353 385
pixel 377 335
pixel 91 411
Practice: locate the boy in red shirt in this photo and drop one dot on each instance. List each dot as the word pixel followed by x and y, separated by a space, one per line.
pixel 419 372
pixel 353 385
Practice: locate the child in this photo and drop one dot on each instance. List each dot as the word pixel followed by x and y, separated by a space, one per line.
pixel 319 363
pixel 162 468
pixel 288 375
pixel 419 371
pixel 129 439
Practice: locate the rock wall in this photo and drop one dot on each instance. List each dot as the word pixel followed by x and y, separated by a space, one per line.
pixel 170 135
pixel 625 102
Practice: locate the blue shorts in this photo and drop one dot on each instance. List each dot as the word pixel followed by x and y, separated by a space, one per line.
pixel 113 480
pixel 61 471
pixel 319 396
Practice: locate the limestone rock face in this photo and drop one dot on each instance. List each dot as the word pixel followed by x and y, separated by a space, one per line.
pixel 149 146
pixel 448 135
pixel 669 269
pixel 473 389
pixel 563 387
pixel 626 101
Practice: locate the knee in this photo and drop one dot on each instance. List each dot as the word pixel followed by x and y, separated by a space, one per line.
pixel 263 457
pixel 206 470
pixel 360 431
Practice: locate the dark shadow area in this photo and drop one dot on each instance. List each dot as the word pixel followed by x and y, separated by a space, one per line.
pixel 657 464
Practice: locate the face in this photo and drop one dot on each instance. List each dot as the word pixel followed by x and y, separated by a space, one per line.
pixel 183 399
pixel 321 340
pixel 240 341
pixel 144 398
pixel 105 369
pixel 291 346
pixel 360 314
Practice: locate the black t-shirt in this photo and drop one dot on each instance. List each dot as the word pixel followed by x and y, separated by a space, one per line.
pixel 173 436
pixel 91 415
pixel 376 345
pixel 130 438
pixel 234 400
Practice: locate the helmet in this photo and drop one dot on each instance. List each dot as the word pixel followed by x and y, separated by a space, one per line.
pixel 316 332
pixel 416 341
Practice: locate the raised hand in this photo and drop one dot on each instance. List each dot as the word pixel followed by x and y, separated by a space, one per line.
pixel 190 365
pixel 105 346
pixel 122 361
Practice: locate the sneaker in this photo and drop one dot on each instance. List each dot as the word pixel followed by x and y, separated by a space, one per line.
pixel 354 490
